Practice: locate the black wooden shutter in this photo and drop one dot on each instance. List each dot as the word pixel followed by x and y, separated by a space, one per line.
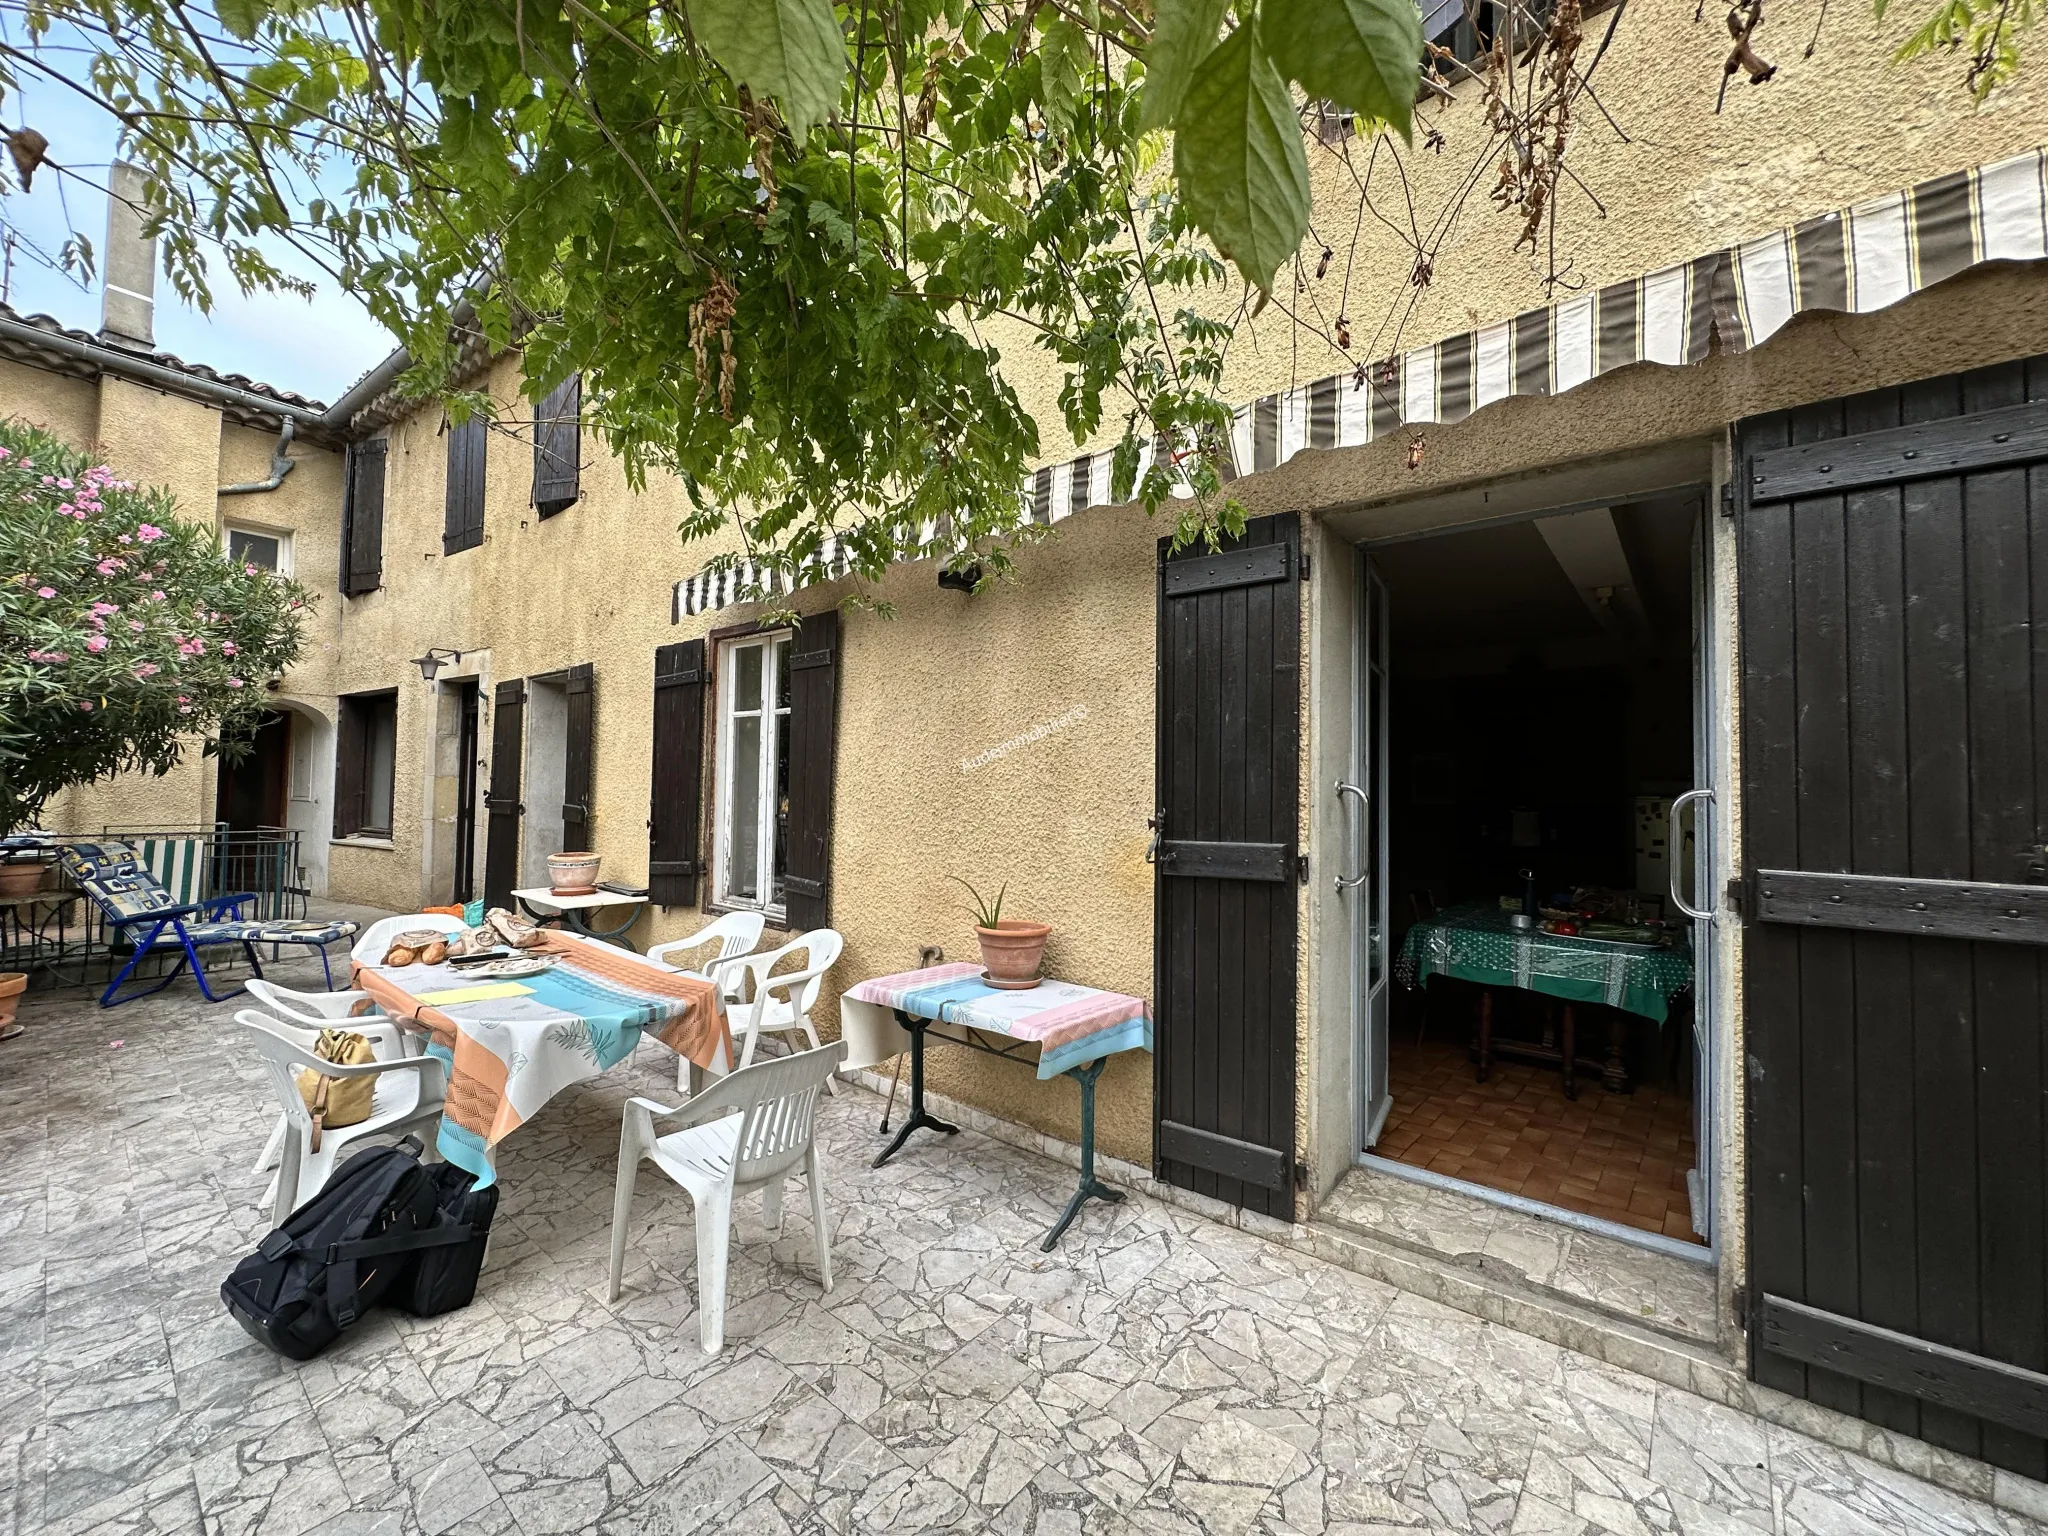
pixel 673 818
pixel 462 524
pixel 1895 961
pixel 576 771
pixel 813 730
pixel 349 782
pixel 1225 884
pixel 501 835
pixel 558 448
pixel 362 518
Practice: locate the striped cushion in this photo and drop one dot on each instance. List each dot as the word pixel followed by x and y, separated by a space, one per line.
pixel 255 933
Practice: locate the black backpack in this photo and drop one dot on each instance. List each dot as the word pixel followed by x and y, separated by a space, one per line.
pixel 444 1278
pixel 350 1245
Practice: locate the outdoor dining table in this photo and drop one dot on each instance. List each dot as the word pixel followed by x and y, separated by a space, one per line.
pixel 578 913
pixel 1479 943
pixel 1074 1030
pixel 511 1045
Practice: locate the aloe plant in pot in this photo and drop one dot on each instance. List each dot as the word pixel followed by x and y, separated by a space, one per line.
pixel 1012 950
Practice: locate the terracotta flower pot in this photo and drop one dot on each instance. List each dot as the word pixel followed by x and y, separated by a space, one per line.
pixel 12 985
pixel 1013 952
pixel 21 879
pixel 572 874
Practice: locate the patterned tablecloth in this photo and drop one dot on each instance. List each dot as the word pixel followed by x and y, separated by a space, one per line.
pixel 1477 943
pixel 511 1046
pixel 1073 1025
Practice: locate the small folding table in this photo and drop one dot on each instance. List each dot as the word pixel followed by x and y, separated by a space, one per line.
pixel 1075 1030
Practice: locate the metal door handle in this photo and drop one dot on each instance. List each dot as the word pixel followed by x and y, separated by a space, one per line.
pixel 1671 845
pixel 1364 803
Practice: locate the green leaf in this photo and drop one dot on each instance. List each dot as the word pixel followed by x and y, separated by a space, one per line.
pixel 1065 60
pixel 1361 54
pixel 790 50
pixel 240 17
pixel 1238 158
pixel 1184 35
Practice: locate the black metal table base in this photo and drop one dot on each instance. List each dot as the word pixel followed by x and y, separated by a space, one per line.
pixel 920 1119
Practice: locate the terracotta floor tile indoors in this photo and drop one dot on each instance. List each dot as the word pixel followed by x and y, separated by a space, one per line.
pixel 1619 1156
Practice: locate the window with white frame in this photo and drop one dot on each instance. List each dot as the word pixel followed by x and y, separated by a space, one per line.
pixel 751 843
pixel 265 548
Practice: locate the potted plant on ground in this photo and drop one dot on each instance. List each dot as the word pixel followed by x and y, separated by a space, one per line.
pixel 1012 950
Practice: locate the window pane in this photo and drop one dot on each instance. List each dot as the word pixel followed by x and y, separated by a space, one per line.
pixel 782 675
pixel 780 866
pixel 258 549
pixel 746 691
pixel 743 869
pixel 380 743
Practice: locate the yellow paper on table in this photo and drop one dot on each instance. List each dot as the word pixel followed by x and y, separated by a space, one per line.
pixel 482 992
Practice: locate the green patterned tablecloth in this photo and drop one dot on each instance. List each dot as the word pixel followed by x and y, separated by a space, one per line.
pixel 1476 943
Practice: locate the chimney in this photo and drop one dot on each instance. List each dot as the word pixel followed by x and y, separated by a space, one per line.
pixel 128 312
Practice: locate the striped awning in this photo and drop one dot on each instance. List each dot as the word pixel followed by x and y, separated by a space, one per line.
pixel 1857 260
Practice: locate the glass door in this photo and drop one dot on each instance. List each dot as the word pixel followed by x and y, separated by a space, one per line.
pixel 1693 862
pixel 1367 891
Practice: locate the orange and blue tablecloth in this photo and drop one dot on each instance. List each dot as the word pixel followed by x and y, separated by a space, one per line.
pixel 1073 1025
pixel 510 1046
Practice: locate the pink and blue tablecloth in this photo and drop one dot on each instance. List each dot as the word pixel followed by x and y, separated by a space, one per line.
pixel 1072 1025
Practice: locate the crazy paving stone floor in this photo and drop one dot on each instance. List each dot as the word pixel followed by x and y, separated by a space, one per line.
pixel 1157 1374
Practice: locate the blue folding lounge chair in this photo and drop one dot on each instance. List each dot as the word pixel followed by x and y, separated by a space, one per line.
pixel 145 919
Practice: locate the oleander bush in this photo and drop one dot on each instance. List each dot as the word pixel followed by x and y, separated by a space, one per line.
pixel 127 636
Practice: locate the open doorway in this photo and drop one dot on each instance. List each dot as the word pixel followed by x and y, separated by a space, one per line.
pixel 458 709
pixel 1530 714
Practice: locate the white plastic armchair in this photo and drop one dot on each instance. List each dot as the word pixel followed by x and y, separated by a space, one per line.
pixel 734 934
pixel 408 1096
pixel 779 1005
pixel 746 1131
pixel 301 1016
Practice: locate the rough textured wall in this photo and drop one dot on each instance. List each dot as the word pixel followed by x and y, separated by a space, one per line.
pixel 66 406
pixel 1829 131
pixel 590 584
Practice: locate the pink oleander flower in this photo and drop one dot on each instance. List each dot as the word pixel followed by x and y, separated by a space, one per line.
pixel 109 566
pixel 148 669
pixel 103 609
pixel 136 625
pixel 125 539
pixel 182 699
pixel 228 647
pixel 49 479
pixel 46 591
pixel 95 643
pixel 149 533
pixel 82 704
pixel 156 597
pixel 234 682
pixel 63 485
pixel 248 570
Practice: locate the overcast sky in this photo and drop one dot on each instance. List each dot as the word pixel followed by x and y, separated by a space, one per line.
pixel 317 347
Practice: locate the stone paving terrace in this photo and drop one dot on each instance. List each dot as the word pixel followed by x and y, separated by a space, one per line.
pixel 1157 1374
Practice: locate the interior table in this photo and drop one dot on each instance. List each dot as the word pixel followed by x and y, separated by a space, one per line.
pixel 575 912
pixel 1478 943
pixel 1073 1029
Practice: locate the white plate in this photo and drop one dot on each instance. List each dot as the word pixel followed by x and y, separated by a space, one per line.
pixel 509 970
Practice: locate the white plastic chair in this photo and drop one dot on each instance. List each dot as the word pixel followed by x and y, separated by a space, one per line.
pixel 779 1005
pixel 303 1016
pixel 745 1131
pixel 736 934
pixel 408 1097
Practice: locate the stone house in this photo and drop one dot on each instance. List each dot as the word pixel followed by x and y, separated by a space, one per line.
pixel 1707 581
